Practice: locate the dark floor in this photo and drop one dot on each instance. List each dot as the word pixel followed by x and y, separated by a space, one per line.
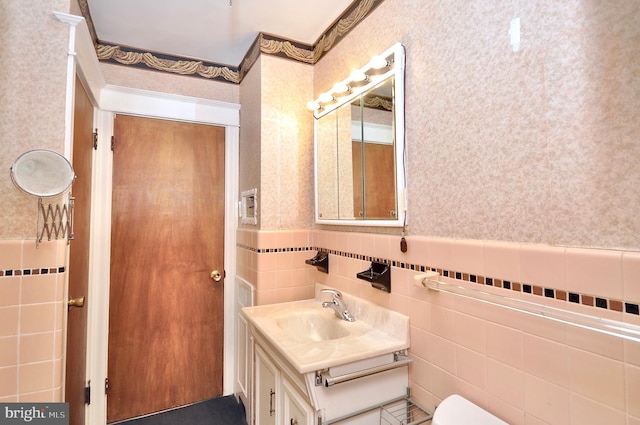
pixel 217 411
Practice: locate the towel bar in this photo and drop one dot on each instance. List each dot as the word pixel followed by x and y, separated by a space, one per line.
pixel 401 360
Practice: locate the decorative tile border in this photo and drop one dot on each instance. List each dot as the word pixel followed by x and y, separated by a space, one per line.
pixel 31 272
pixel 274 250
pixel 527 288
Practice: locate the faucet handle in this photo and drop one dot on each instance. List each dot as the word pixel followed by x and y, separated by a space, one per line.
pixel 336 294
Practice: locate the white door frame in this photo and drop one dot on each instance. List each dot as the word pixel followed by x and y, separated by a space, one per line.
pixel 111 100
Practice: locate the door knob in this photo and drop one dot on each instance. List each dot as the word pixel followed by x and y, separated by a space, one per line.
pixel 216 276
pixel 76 302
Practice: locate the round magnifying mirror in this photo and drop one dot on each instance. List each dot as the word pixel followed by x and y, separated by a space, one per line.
pixel 42 173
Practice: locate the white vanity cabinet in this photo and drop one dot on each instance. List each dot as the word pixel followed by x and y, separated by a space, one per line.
pixel 267 378
pixel 295 409
pixel 310 367
pixel 277 400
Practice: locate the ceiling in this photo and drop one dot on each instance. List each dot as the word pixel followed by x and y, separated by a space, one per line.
pixel 217 31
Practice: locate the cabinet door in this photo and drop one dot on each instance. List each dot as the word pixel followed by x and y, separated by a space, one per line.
pixel 295 410
pixel 265 389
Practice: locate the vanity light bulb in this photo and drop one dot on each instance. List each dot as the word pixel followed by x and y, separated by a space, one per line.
pixel 378 62
pixel 358 75
pixel 325 97
pixel 313 105
pixel 340 88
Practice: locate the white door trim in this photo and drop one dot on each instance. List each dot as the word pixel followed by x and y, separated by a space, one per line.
pixel 182 109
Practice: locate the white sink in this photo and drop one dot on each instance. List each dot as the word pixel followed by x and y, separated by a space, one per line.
pixel 312 338
pixel 312 325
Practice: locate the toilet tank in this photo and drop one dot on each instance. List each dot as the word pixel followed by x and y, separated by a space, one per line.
pixel 457 410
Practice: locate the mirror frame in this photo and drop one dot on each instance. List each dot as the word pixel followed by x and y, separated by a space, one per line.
pixel 42 173
pixel 395 55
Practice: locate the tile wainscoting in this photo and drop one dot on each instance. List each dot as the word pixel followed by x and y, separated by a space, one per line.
pixel 523 368
pixel 31 320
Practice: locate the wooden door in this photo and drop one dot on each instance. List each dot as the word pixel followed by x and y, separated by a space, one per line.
pixel 75 379
pixel 376 193
pixel 167 236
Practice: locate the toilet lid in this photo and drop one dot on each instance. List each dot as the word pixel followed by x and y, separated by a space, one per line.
pixel 42 173
pixel 457 410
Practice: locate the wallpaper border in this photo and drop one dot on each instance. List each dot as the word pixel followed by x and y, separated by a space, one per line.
pixel 264 44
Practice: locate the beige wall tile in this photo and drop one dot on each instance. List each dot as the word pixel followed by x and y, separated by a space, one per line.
pixel 632 389
pixel 421 372
pixel 544 328
pixel 506 383
pixel 44 255
pixel 8 351
pixel 473 307
pixel 443 322
pixel 36 377
pixel 526 355
pixel 440 253
pixel 546 360
pixel 417 251
pixel 505 411
pixel 468 257
pixel 632 352
pixel 37 318
pixel 595 272
pixel 266 239
pixel 502 261
pixel 631 276
pixel 598 378
pixel 265 262
pixel 471 392
pixel 471 367
pixel 57 374
pixel 36 347
pixel 470 332
pixel 8 381
pixel 546 401
pixel 543 265
pixel 595 342
pixel 585 412
pixel 10 291
pixel 420 314
pixel 39 289
pixel 59 309
pixel 9 320
pixel 40 397
pixel 420 343
pixel 58 344
pixel 633 420
pixel 505 345
pixel 442 353
pixel 443 383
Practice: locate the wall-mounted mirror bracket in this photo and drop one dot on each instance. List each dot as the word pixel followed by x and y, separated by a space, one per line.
pixel 379 274
pixel 55 221
pixel 320 261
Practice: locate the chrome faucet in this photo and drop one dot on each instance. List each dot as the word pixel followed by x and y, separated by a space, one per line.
pixel 337 304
